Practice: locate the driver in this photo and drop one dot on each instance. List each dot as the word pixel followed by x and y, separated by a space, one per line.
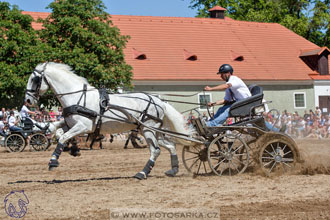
pixel 25 112
pixel 235 90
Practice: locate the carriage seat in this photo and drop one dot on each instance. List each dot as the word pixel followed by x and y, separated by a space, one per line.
pixel 27 123
pixel 243 107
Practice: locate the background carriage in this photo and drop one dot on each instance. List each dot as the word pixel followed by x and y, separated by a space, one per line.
pixel 37 135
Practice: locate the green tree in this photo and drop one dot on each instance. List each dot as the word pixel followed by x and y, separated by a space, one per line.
pixel 308 18
pixel 82 35
pixel 20 52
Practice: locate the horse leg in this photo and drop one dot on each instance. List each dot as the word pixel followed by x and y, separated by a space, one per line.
pixel 74 150
pixel 154 153
pixel 127 141
pixel 77 129
pixel 168 145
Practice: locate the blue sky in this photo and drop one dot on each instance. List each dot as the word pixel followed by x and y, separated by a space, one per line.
pixel 171 8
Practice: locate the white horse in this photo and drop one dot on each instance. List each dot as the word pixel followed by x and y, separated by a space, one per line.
pixel 82 111
pixel 49 127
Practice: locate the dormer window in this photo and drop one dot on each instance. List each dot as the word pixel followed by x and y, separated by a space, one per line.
pixel 138 54
pixel 189 56
pixel 317 59
pixel 236 56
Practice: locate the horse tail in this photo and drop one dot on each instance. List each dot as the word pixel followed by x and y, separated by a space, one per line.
pixel 176 122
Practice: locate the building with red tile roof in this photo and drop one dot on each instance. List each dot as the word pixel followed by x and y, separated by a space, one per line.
pixel 183 55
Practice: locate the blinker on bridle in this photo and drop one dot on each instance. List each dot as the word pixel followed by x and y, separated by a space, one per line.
pixel 37 80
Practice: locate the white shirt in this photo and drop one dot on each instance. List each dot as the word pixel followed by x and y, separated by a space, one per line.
pixel 2 125
pixel 24 112
pixel 11 121
pixel 237 91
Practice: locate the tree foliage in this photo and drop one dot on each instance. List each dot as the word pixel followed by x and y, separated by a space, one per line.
pixel 20 52
pixel 83 36
pixel 77 32
pixel 308 18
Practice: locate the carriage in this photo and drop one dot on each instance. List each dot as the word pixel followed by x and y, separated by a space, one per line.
pixel 224 150
pixel 34 134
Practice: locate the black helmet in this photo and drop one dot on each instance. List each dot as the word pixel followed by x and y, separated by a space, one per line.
pixel 225 68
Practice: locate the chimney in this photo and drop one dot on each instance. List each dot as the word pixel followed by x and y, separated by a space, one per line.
pixel 217 12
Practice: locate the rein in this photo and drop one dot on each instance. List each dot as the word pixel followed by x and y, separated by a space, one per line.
pixel 191 103
pixel 155 94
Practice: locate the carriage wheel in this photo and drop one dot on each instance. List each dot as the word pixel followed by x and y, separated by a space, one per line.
pixel 39 142
pixel 15 143
pixel 228 155
pixel 195 159
pixel 139 142
pixel 278 153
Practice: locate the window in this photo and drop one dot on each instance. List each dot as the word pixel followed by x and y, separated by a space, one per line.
pixel 204 98
pixel 299 99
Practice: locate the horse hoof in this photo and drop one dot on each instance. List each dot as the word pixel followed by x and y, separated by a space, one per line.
pixel 75 153
pixel 53 164
pixel 171 173
pixel 140 176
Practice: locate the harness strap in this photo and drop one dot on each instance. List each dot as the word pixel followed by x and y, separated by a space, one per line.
pixel 83 95
pixel 79 110
pixel 104 101
pixel 146 116
pixel 85 89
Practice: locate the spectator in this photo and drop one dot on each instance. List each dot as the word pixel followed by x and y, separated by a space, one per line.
pixel 52 115
pixel 205 117
pixel 59 115
pixel 318 112
pixel 3 114
pixel 45 114
pixel 300 127
pixel 306 115
pixel 2 126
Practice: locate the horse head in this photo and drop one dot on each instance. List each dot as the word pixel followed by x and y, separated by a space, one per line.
pixel 37 84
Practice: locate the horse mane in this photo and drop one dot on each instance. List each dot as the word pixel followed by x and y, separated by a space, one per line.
pixel 64 67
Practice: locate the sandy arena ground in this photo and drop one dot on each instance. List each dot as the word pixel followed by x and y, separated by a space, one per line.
pixel 90 186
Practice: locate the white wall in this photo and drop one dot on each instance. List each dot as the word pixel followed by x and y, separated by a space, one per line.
pixel 321 88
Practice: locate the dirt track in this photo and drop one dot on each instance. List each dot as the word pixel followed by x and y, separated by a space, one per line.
pixel 99 181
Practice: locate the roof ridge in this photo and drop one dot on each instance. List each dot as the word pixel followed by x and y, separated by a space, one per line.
pixel 155 18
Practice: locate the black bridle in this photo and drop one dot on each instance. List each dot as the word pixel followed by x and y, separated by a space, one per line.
pixel 37 80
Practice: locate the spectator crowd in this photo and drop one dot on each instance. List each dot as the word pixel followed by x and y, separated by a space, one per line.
pixel 312 124
pixel 42 114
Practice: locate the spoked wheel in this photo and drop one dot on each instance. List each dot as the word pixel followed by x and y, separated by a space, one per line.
pixel 228 155
pixel 195 159
pixel 139 142
pixel 15 143
pixel 39 142
pixel 278 153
